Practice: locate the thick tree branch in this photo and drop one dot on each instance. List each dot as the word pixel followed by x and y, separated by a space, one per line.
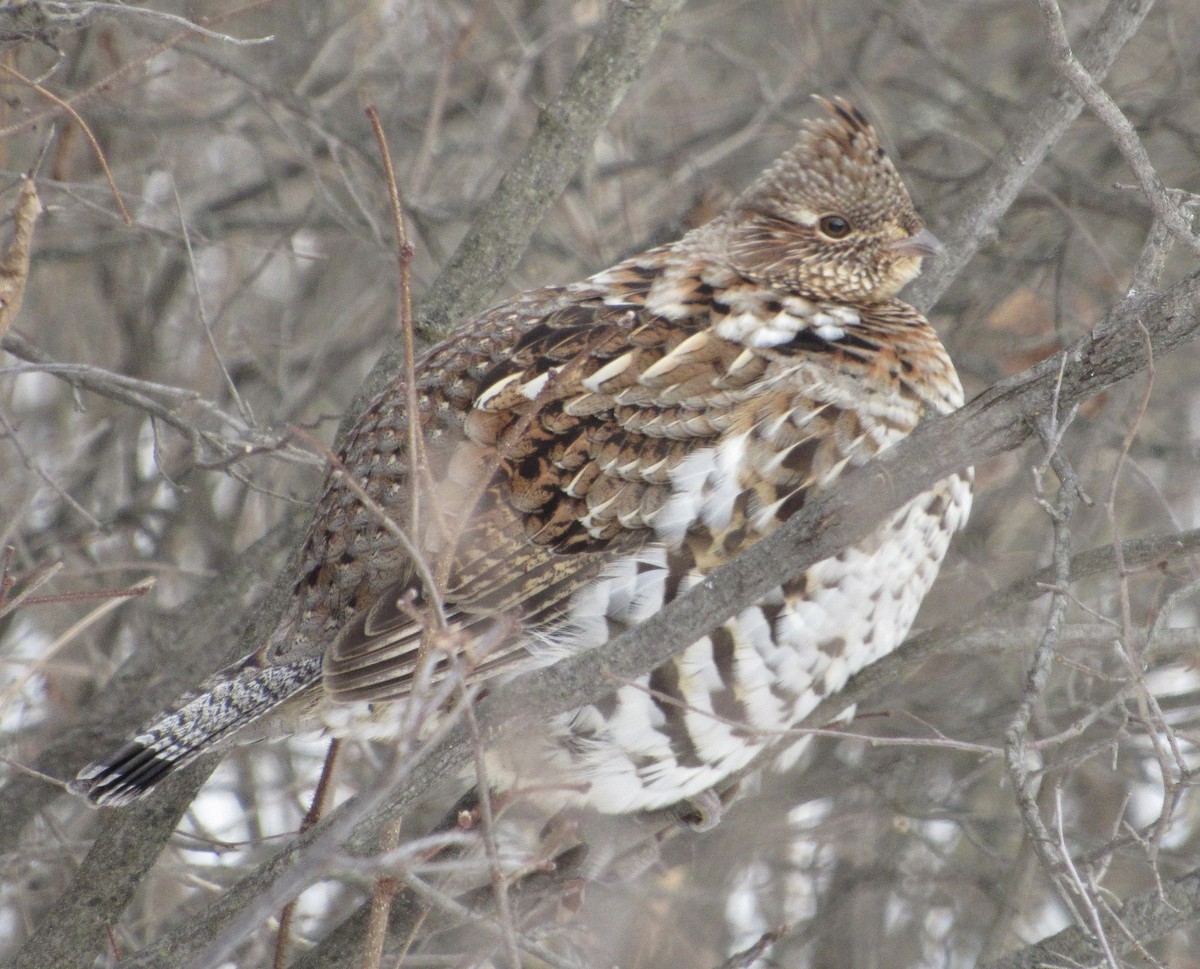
pixel 1143 918
pixel 178 651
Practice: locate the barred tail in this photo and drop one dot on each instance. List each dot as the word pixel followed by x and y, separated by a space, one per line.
pixel 202 719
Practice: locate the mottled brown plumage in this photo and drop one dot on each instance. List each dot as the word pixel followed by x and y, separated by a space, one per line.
pixel 594 451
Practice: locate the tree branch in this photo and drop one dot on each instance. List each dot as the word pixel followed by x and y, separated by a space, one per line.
pixel 1103 107
pixel 1144 918
pixel 1053 112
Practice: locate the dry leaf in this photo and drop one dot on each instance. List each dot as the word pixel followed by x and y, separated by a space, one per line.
pixel 14 267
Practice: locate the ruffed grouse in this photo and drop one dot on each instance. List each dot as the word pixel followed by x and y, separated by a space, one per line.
pixel 594 450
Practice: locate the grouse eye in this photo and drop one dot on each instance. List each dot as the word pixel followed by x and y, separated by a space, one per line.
pixel 834 226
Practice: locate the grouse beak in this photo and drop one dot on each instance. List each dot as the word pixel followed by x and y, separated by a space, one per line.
pixel 924 243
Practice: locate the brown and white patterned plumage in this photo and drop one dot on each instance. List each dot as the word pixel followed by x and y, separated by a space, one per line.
pixel 594 451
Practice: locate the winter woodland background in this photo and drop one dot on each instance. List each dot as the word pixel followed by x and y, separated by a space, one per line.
pixel 159 370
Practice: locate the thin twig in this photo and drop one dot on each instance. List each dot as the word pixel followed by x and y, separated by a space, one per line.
pixel 418 460
pixel 437 101
pixel 67 637
pixel 754 953
pixel 39 578
pixel 136 393
pixel 1017 753
pixel 10 433
pixel 242 406
pixel 487 822
pixel 316 810
pixel 87 132
pixel 1111 116
pixel 130 71
pixel 74 10
pixel 381 906
pixel 1082 890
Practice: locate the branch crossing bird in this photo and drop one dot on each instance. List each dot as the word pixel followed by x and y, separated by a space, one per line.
pixel 593 451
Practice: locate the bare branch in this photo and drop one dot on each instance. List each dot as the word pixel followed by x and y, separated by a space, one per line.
pixel 1127 140
pixel 1052 113
pixel 1148 916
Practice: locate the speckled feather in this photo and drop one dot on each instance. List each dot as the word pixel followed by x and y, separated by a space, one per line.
pixel 595 450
